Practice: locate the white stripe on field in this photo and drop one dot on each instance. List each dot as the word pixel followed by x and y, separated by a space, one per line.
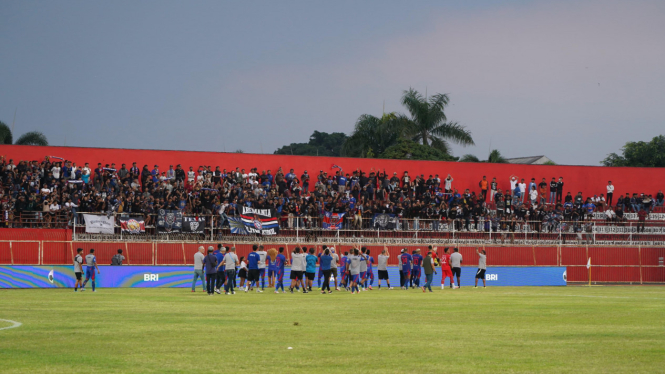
pixel 14 324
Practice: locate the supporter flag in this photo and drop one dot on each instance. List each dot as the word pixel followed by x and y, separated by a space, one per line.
pixel 237 226
pixel 588 264
pixel 169 221
pixel 101 224
pixel 332 221
pixel 195 225
pixel 132 225
pixel 259 221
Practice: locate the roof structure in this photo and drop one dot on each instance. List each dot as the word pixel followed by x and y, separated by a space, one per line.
pixel 532 160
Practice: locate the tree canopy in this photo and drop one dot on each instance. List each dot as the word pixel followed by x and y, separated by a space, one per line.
pixel 494 157
pixel 320 144
pixel 407 149
pixel 639 154
pixel 29 138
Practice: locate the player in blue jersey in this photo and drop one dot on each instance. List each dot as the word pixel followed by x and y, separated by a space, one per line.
pixel 363 268
pixel 369 280
pixel 280 261
pixel 320 273
pixel 342 270
pixel 91 265
pixel 417 261
pixel 406 260
pixel 253 260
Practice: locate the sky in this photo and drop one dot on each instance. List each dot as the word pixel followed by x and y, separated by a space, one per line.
pixel 572 80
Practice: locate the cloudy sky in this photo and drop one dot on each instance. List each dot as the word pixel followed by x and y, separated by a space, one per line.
pixel 573 80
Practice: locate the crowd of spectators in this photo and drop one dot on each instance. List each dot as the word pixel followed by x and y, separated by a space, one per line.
pixel 56 187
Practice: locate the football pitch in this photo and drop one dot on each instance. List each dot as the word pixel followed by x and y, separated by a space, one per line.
pixel 498 329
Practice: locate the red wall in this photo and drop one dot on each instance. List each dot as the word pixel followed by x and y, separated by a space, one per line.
pixel 588 179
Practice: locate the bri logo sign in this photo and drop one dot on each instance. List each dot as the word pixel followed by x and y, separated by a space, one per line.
pixel 150 277
pixel 492 277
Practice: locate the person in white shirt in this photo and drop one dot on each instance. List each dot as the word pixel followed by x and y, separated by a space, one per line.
pixel 448 184
pixel 610 216
pixel 533 195
pixel 513 184
pixel 522 186
pixel 610 192
pixel 55 170
pixel 262 266
pixel 191 175
pixel 297 270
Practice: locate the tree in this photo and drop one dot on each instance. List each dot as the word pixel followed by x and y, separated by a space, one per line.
pixel 639 154
pixel 407 149
pixel 373 135
pixel 320 144
pixel 428 123
pixel 29 138
pixel 495 157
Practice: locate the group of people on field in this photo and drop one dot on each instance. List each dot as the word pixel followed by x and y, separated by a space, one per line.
pixel 352 271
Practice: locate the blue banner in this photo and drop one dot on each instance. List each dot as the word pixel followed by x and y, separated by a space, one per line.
pixel 181 276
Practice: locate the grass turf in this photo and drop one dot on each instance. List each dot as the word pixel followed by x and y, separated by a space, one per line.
pixel 499 329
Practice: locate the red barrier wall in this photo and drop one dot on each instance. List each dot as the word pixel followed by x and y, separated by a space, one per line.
pixel 588 179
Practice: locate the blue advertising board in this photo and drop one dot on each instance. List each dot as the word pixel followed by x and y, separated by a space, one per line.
pixel 181 276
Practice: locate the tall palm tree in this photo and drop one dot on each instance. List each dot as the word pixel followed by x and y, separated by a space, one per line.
pixel 372 135
pixel 29 138
pixel 469 158
pixel 428 123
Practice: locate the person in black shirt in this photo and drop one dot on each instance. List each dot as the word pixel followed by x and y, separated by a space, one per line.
pixel 559 190
pixel 552 191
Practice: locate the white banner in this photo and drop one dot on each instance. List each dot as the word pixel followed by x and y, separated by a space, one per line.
pixel 98 224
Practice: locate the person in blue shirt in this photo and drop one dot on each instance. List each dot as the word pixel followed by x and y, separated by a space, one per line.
pixel 253 269
pixel 363 267
pixel 406 260
pixel 343 270
pixel 280 260
pixel 310 268
pixel 221 273
pixel 325 264
pixel 369 280
pixel 417 261
pixel 320 274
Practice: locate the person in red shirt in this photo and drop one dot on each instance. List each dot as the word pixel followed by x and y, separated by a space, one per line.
pixel 446 271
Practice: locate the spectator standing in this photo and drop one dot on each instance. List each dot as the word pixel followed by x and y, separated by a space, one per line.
pixel 482 266
pixel 559 190
pixel 523 189
pixel 383 267
pixel 456 265
pixel 230 261
pixel 198 268
pixel 117 259
pixel 210 264
pixel 553 186
pixel 430 270
pixel 483 184
pixel 610 192
pixel 493 188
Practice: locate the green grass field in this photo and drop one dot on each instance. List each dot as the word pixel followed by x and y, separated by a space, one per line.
pixel 499 329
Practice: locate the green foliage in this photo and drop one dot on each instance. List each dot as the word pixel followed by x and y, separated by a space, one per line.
pixel 29 138
pixel 428 123
pixel 495 157
pixel 407 149
pixel 5 134
pixel 32 138
pixel 550 162
pixel 372 135
pixel 239 151
pixel 639 154
pixel 320 144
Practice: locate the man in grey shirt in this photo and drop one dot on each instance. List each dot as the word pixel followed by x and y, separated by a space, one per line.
pixel 383 267
pixel 229 262
pixel 333 265
pixel 456 265
pixel 198 268
pixel 482 266
pixel 354 269
pixel 363 268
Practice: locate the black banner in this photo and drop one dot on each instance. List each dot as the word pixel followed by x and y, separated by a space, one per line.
pixel 194 225
pixel 384 221
pixel 169 221
pixel 259 221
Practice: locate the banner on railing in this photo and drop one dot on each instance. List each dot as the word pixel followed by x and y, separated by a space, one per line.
pixel 237 226
pixel 169 221
pixel 132 225
pixel 332 221
pixel 259 221
pixel 194 225
pixel 385 221
pixel 632 216
pixel 98 224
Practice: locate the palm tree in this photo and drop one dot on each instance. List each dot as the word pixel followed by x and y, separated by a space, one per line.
pixel 29 138
pixel 428 123
pixel 372 135
pixel 469 158
pixel 495 157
